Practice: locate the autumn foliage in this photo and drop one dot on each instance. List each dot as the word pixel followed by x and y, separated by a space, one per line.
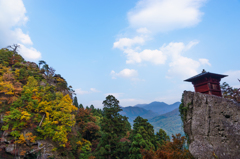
pixel 28 101
pixel 174 149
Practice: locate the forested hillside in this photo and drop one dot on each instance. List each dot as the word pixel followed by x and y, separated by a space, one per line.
pixel 171 122
pixel 40 120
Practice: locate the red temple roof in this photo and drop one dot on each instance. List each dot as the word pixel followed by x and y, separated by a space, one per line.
pixel 205 74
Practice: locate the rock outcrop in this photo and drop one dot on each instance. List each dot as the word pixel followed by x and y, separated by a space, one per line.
pixel 43 148
pixel 212 124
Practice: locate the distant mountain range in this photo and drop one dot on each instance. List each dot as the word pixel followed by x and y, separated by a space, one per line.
pixel 159 107
pixel 159 114
pixel 133 112
pixel 170 122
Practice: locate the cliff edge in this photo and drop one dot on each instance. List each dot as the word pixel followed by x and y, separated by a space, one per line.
pixel 212 124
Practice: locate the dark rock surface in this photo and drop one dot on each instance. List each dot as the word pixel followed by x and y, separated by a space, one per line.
pixel 213 126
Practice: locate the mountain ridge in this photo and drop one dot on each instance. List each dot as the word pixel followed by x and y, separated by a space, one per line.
pixel 170 122
pixel 159 107
pixel 168 119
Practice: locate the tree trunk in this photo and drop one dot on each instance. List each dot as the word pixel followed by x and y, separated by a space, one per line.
pixel 41 120
pixel 109 157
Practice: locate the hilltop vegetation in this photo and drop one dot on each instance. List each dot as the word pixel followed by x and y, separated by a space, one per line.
pixel 39 119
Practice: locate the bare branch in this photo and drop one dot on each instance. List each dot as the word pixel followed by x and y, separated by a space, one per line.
pixel 14 48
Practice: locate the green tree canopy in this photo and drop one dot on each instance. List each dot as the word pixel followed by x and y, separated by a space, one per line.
pixel 80 106
pixel 142 136
pixel 162 137
pixel 113 128
pixel 75 101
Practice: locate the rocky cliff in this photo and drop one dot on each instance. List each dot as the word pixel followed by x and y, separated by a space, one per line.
pixel 213 126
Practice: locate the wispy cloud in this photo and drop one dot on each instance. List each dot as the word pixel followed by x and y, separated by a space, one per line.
pixel 181 66
pixel 94 90
pixel 79 91
pixel 125 73
pixel 29 52
pixel 124 43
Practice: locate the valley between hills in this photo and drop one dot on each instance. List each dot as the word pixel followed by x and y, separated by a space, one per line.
pixel 159 114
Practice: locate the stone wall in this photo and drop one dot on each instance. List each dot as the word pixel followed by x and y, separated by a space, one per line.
pixel 213 126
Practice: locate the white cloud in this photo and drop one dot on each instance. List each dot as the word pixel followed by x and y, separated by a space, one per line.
pixel 12 17
pixel 14 13
pixel 232 78
pixel 165 15
pixel 127 42
pixel 191 44
pixel 125 73
pixel 143 31
pixel 181 66
pixel 153 56
pixel 23 38
pixel 134 56
pixel 29 53
pixel 204 61
pixel 81 92
pixel 94 90
pixel 153 16
pixel 173 49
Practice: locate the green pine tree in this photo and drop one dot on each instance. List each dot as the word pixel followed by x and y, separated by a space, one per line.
pixel 75 101
pixel 113 127
pixel 142 135
pixel 123 149
pixel 80 106
pixel 91 107
pixel 140 140
pixel 138 122
pixel 162 137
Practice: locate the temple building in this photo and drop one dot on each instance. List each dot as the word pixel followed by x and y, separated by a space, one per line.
pixel 207 82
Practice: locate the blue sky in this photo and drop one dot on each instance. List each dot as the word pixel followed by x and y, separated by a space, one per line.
pixel 138 50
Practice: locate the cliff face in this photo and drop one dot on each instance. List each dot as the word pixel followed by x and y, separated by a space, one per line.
pixel 213 126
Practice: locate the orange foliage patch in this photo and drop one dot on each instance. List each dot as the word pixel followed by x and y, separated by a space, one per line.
pixel 171 150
